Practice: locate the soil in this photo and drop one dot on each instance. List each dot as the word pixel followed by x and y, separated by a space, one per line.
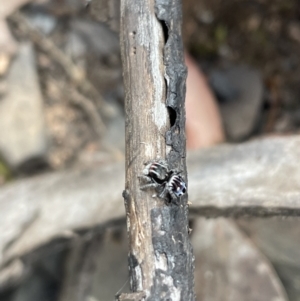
pixel 264 34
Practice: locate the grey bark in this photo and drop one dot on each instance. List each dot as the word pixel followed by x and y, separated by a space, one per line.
pixel 160 258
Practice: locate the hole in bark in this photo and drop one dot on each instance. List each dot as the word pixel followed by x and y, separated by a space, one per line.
pixel 165 30
pixel 172 116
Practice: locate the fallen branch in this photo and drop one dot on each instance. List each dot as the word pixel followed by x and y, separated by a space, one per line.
pixel 258 178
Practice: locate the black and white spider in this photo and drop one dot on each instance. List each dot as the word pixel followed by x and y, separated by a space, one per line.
pixel 166 182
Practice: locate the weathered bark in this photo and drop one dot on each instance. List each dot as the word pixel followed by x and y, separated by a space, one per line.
pixel 160 257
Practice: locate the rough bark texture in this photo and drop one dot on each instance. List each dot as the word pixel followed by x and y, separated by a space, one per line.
pixel 160 259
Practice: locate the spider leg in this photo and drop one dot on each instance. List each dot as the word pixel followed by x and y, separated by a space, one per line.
pixel 150 185
pixel 173 195
pixel 163 193
pixel 145 178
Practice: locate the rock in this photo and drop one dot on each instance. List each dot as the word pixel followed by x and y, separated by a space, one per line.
pixel 23 134
pixel 240 90
pixel 226 261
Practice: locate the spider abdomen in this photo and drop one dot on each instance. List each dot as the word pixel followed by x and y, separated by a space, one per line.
pixel 177 185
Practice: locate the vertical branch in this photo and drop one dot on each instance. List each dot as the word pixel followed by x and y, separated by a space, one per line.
pixel 160 257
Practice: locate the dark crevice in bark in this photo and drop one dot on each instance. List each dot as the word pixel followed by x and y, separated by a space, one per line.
pixel 173 249
pixel 172 116
pixel 165 30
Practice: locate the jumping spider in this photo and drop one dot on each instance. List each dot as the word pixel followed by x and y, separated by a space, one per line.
pixel 166 182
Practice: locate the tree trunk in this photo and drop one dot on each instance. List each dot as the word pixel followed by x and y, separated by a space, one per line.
pixel 160 258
